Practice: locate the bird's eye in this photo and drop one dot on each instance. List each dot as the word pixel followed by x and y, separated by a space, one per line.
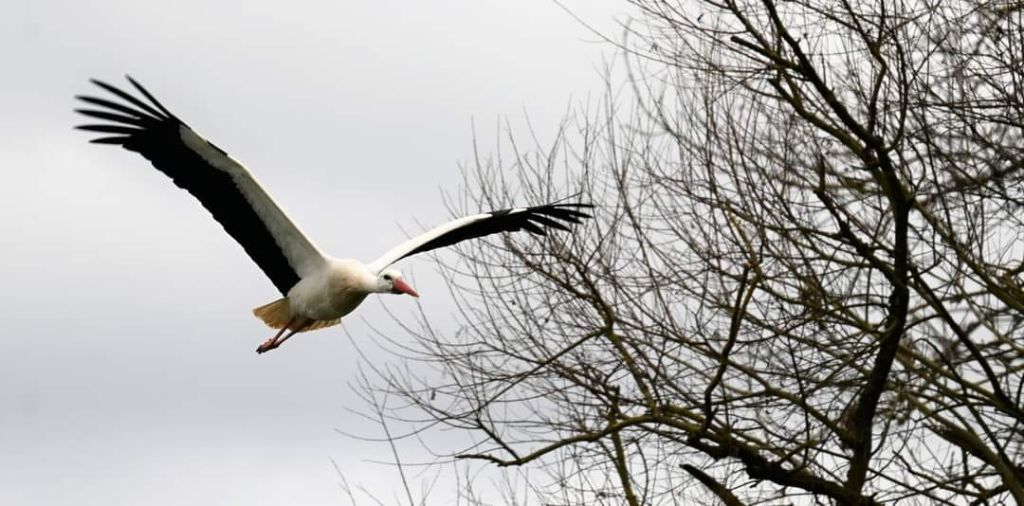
pixel 387 277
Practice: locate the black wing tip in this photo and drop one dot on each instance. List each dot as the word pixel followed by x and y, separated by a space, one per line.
pixel 558 216
pixel 567 212
pixel 131 104
pixel 129 115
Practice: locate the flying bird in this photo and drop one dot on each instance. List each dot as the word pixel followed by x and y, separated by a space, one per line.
pixel 318 289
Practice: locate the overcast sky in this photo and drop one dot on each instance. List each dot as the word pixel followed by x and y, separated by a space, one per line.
pixel 127 368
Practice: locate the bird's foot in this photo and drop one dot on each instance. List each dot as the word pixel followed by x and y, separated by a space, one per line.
pixel 267 345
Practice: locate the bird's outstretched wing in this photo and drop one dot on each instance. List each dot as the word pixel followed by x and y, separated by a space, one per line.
pixel 224 187
pixel 531 219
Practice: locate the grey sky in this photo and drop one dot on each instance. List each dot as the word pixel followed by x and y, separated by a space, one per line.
pixel 128 374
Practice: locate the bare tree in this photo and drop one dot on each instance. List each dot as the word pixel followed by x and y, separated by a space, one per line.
pixel 803 281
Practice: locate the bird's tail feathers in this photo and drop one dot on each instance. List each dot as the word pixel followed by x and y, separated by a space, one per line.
pixel 277 314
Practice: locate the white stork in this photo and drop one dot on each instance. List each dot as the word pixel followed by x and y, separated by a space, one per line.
pixel 318 289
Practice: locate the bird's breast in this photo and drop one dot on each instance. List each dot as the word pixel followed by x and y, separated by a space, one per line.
pixel 327 295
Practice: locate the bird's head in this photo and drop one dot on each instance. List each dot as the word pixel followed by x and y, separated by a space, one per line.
pixel 390 281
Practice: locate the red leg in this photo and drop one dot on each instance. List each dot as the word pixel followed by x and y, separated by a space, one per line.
pixel 272 343
pixel 296 330
pixel 277 340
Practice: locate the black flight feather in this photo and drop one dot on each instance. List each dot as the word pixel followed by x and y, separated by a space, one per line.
pixel 531 219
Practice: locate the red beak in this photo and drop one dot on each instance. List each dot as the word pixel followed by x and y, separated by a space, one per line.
pixel 400 286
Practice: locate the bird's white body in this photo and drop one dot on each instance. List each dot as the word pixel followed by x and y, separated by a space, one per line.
pixel 332 291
